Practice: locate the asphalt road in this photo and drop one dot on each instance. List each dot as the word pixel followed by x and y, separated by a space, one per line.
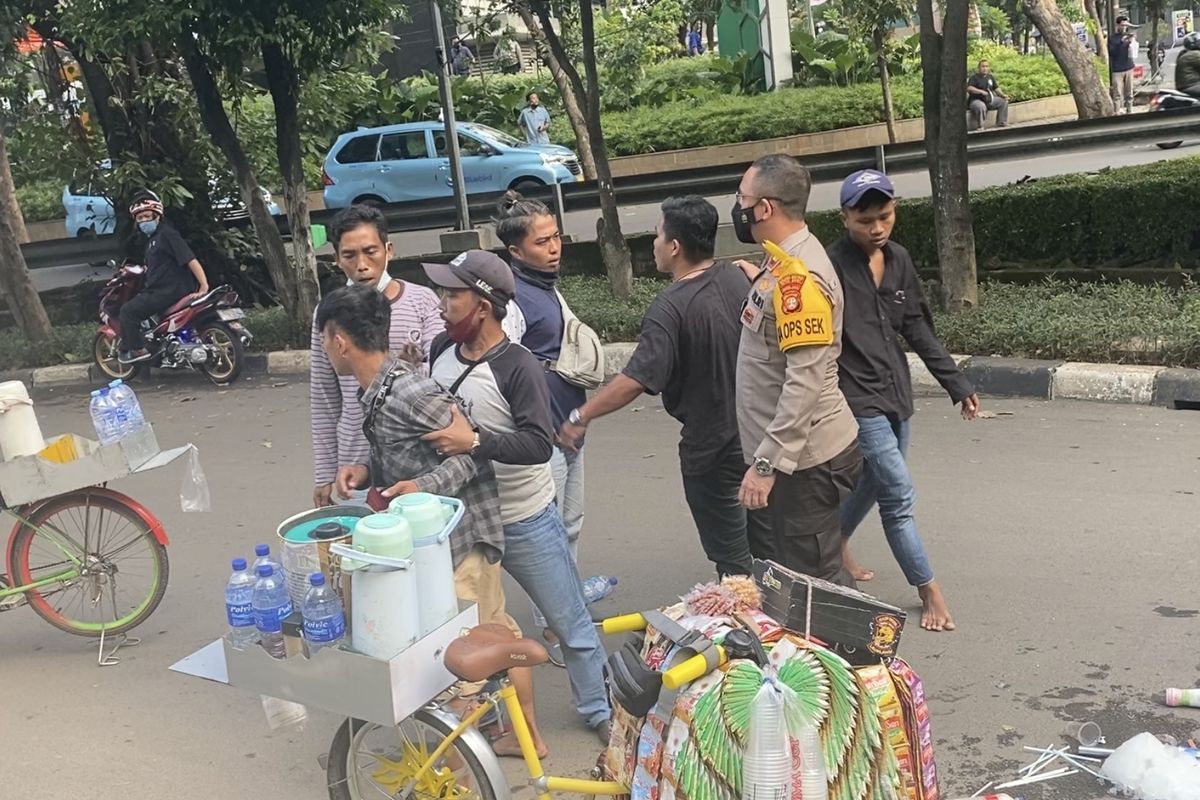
pixel 642 218
pixel 1064 534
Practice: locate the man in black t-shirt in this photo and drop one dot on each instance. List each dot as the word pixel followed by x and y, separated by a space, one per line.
pixel 983 95
pixel 172 271
pixel 687 352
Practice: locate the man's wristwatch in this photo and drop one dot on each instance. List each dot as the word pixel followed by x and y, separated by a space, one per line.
pixel 764 467
pixel 475 443
pixel 575 418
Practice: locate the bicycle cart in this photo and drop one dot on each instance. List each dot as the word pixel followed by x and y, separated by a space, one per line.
pixel 89 560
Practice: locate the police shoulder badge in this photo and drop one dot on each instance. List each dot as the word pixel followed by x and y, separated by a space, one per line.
pixel 803 314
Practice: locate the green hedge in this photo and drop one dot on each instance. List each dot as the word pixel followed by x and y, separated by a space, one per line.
pixel 41 200
pixel 1120 219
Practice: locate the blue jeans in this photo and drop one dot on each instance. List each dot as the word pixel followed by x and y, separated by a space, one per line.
pixel 567 471
pixel 886 480
pixel 536 555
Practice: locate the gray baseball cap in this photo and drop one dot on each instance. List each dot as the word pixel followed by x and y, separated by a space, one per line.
pixel 478 270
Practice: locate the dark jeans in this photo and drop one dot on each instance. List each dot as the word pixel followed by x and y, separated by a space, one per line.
pixel 730 535
pixel 805 510
pixel 139 309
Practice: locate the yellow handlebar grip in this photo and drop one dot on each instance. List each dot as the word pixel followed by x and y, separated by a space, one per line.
pixel 695 667
pixel 624 624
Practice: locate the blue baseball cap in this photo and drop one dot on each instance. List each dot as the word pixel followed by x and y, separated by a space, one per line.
pixel 863 181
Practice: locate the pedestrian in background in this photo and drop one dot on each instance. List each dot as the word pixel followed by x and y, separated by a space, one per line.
pixel 884 304
pixel 535 120
pixel 983 95
pixel 695 42
pixel 360 242
pixel 1120 67
pixel 461 57
pixel 509 55
pixel 687 352
pixel 501 386
pixel 796 428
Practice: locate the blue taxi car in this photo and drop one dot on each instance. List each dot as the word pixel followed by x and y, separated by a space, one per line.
pixel 399 163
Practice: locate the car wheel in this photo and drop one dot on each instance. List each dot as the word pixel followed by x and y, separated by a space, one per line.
pixel 86 233
pixel 1168 145
pixel 370 200
pixel 526 185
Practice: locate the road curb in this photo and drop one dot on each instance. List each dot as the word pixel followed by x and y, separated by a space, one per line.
pixel 1131 384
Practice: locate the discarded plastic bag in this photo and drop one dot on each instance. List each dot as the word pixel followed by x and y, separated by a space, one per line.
pixel 193 494
pixel 282 713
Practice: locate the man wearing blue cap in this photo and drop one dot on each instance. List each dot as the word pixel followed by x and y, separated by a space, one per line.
pixel 884 304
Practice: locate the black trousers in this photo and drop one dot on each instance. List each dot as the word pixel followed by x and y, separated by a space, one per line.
pixel 730 535
pixel 804 509
pixel 141 308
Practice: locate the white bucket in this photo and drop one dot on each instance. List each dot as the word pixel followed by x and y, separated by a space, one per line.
pixel 20 434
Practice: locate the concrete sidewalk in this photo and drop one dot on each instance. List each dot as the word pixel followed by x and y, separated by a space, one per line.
pixel 1131 384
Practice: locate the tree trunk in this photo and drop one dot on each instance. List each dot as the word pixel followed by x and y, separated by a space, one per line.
pixel 885 81
pixel 570 101
pixel 710 33
pixel 613 247
pixel 1091 98
pixel 944 73
pixel 23 300
pixel 285 94
pixel 16 220
pixel 216 121
pixel 1101 39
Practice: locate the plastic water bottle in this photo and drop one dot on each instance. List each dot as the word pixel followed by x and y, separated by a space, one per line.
pixel 104 417
pixel 239 606
pixel 598 587
pixel 262 555
pixel 324 622
pixel 138 438
pixel 271 607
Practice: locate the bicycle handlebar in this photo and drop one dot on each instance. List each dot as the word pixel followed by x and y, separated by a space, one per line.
pixel 695 667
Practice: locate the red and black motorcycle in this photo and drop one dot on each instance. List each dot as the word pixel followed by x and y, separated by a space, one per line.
pixel 204 333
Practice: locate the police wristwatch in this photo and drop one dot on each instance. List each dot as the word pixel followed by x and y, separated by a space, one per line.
pixel 575 418
pixel 764 467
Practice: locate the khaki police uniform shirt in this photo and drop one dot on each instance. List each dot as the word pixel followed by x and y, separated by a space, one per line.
pixel 790 409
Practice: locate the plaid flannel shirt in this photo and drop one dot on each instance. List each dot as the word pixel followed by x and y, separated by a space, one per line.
pixel 413 407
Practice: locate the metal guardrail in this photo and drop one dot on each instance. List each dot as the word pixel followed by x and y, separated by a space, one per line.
pixel 989 145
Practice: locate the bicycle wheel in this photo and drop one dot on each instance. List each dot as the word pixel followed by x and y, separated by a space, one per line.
pixel 368 761
pixel 123 571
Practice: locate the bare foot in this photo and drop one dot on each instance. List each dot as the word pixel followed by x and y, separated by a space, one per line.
pixel 508 747
pixel 935 614
pixel 856 570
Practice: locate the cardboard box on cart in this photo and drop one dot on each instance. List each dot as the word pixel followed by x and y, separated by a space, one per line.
pixel 860 628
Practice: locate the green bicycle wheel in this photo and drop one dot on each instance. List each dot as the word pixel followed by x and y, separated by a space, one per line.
pixel 122 572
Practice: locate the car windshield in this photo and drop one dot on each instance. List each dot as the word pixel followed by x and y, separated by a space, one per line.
pixel 497 136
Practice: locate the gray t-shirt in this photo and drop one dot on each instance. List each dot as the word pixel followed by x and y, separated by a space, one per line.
pixel 506 397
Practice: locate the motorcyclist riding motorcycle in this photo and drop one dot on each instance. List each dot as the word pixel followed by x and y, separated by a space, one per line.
pixel 172 272
pixel 1187 66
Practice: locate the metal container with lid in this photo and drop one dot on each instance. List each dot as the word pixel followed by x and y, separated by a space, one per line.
pixel 305 540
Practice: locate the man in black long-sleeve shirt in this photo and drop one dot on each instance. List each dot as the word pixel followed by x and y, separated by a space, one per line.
pixel 884 304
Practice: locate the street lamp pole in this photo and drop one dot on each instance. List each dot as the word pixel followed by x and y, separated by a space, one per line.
pixel 812 22
pixel 447 96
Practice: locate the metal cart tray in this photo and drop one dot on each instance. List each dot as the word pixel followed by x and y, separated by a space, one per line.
pixel 342 682
pixel 27 479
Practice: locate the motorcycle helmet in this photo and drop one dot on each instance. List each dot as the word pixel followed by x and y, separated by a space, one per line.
pixel 146 200
pixel 1192 41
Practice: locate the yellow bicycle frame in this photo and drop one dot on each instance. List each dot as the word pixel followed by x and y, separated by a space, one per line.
pixel 542 783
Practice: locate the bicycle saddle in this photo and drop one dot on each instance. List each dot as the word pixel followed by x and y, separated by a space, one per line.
pixel 489 650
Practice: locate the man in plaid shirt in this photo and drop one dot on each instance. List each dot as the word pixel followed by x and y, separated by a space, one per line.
pixel 401 406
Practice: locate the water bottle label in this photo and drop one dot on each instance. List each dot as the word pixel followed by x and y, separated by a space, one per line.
pixel 325 630
pixel 241 615
pixel 270 620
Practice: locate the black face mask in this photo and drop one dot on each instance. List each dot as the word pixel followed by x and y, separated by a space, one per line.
pixel 743 222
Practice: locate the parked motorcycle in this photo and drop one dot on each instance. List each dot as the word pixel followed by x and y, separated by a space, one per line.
pixel 1172 100
pixel 204 333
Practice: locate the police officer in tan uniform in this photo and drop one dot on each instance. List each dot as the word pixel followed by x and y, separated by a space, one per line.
pixel 796 429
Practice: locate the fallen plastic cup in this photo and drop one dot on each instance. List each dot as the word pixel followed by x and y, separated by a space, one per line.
pixel 1087 734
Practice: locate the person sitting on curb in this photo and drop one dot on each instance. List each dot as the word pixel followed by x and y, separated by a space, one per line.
pixel 983 95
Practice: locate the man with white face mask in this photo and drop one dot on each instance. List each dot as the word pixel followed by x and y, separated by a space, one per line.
pixel 360 239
